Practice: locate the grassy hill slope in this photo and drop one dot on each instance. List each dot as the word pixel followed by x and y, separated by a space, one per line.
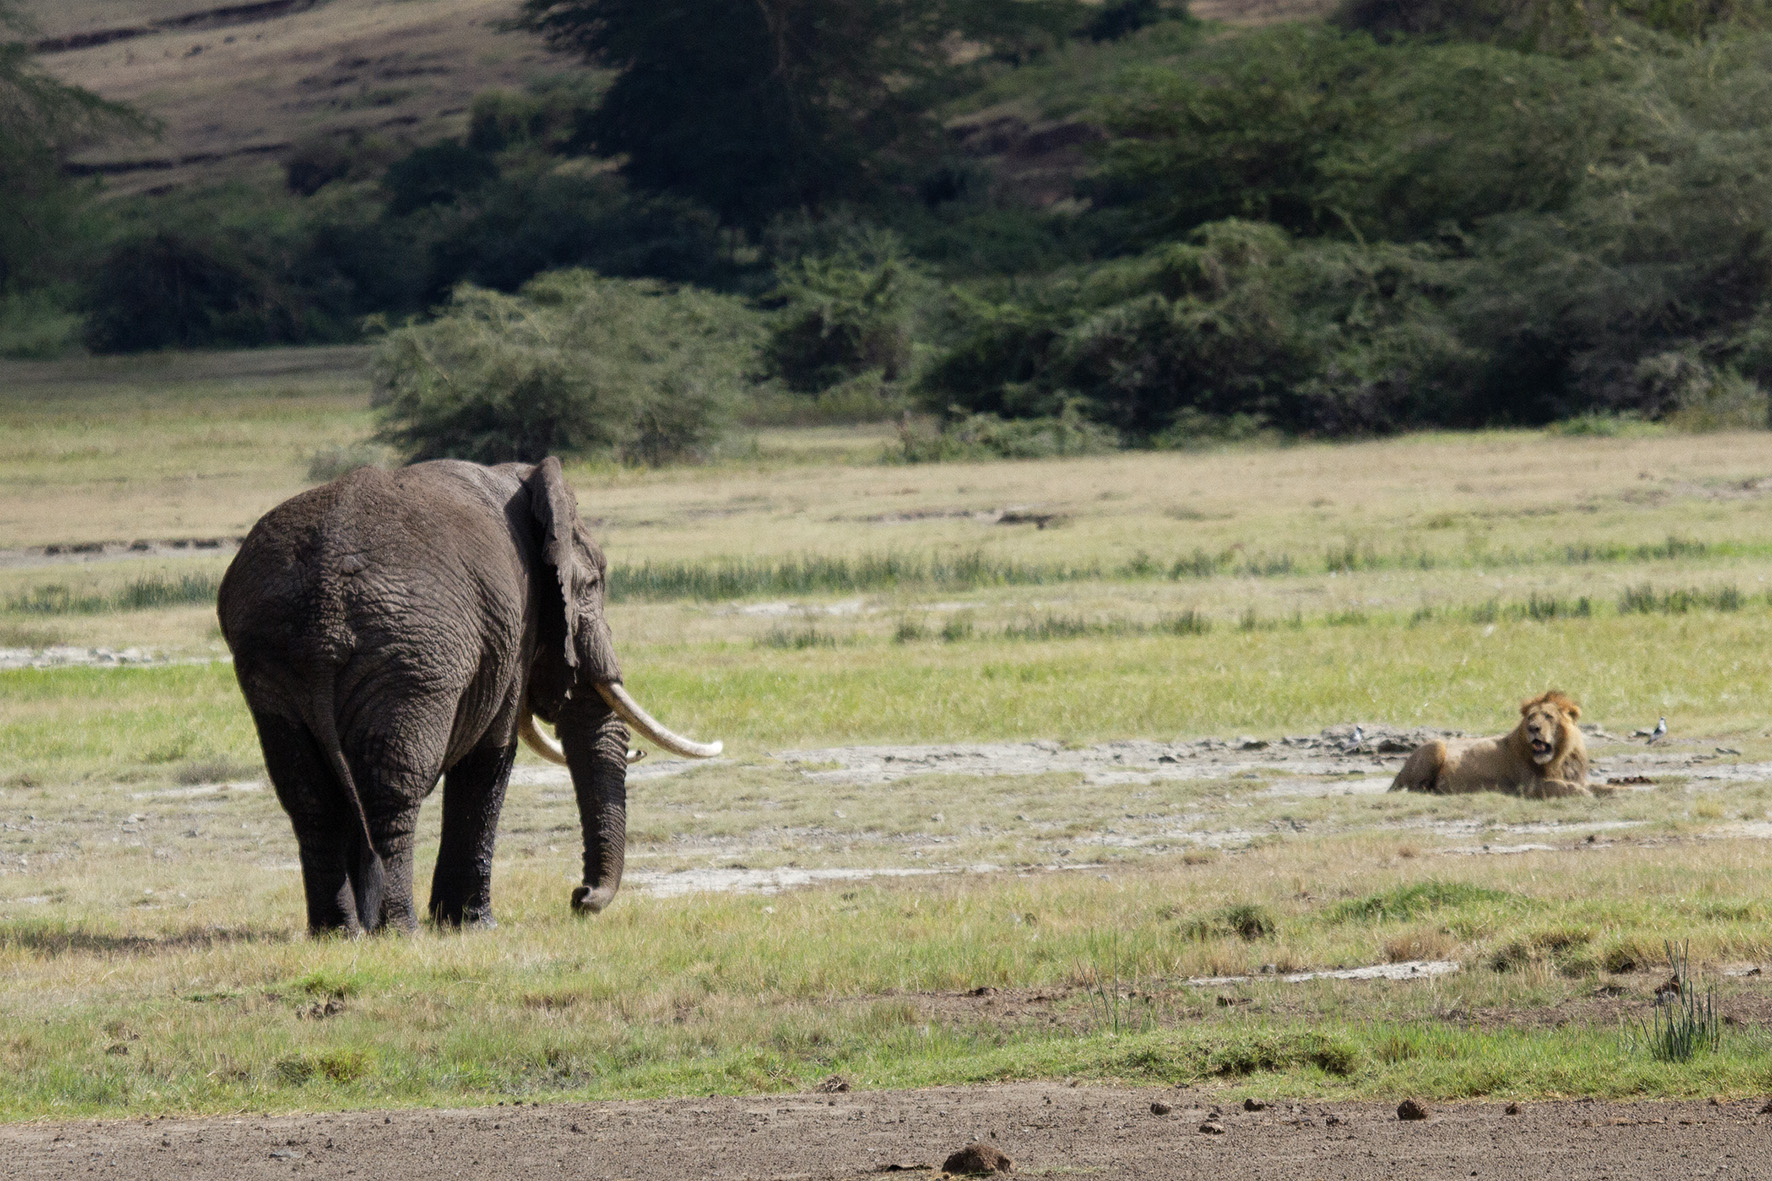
pixel 235 86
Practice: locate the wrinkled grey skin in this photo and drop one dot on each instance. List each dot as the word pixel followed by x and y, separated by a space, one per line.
pixel 388 629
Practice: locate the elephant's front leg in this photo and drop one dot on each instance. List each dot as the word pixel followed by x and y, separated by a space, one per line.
pixel 473 796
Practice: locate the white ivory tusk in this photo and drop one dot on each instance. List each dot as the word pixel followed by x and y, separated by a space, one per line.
pixel 648 727
pixel 538 742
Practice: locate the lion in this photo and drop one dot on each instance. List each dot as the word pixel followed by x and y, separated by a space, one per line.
pixel 1543 758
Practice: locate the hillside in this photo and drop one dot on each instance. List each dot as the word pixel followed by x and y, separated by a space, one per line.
pixel 236 85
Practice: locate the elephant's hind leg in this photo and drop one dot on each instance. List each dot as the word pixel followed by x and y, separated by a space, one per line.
pixel 473 797
pixel 324 829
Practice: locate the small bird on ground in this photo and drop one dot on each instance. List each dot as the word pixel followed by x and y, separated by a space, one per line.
pixel 1359 735
pixel 1660 732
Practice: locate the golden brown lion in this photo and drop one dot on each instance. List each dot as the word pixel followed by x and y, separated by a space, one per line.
pixel 1543 757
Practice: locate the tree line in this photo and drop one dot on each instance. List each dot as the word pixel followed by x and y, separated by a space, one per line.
pixel 1457 213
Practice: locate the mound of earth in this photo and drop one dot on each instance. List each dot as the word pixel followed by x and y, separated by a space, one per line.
pixel 977 1158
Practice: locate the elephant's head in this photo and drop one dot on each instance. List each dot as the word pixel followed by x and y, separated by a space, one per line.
pixel 575 683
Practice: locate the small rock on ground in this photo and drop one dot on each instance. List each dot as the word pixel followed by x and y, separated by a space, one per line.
pixel 1254 1105
pixel 977 1158
pixel 1210 1128
pixel 1160 1108
pixel 1411 1109
pixel 1512 1109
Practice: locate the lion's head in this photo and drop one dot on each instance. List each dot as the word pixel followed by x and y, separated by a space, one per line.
pixel 1548 721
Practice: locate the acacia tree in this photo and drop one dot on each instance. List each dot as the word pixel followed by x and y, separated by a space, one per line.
pixel 41 119
pixel 756 106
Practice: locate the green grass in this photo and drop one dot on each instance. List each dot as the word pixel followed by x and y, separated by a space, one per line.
pixel 156 963
pixel 1082 681
pixel 706 994
pixel 1419 898
pixel 138 594
pixel 1624 669
pixel 150 909
pixel 734 578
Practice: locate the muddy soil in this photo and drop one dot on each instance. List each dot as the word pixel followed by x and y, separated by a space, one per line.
pixel 1046 1129
pixel 1315 764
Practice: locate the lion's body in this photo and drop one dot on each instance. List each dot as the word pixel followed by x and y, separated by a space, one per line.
pixel 1544 756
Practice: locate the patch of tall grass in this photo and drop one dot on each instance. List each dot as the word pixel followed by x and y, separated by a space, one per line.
pixel 138 595
pixel 814 574
pixel 1684 1024
pixel 1645 600
pixel 735 578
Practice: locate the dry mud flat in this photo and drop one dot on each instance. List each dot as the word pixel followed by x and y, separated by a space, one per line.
pixel 1046 1129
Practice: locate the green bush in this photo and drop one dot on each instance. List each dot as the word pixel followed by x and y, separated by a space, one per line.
pixel 1319 131
pixel 1550 25
pixel 1238 327
pixel 317 160
pixel 845 314
pixel 629 369
pixel 550 117
pixel 985 436
pixel 436 174
pixel 1426 234
pixel 170 290
pixel 528 221
pixel 1417 899
pixel 1248 921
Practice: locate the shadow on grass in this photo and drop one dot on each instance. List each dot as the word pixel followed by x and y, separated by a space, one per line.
pixel 55 939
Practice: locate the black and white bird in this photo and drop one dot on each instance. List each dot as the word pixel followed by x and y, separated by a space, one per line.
pixel 1660 732
pixel 1359 735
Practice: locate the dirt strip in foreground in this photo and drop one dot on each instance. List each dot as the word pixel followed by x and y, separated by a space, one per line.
pixel 1047 1129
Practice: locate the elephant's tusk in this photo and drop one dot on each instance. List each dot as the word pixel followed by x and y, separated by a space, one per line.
pixel 630 712
pixel 538 742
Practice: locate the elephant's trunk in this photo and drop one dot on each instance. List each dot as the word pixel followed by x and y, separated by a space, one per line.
pixel 597 753
pixel 537 740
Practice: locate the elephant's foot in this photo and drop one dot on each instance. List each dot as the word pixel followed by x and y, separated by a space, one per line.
pixel 465 920
pixel 463 911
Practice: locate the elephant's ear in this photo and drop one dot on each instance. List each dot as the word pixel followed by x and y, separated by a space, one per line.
pixel 557 512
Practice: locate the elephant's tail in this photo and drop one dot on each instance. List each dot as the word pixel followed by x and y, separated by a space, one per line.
pixel 364 863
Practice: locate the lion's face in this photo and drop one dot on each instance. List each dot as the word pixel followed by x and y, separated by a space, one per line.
pixel 1546 726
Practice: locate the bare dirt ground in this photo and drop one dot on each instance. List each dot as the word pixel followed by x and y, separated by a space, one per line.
pixel 1046 1129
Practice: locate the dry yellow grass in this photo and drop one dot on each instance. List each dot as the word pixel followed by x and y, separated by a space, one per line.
pixel 165 447
pixel 1441 494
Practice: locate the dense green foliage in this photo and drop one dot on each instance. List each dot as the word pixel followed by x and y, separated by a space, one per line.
pixel 846 314
pixel 1457 213
pixel 1379 236
pixel 760 108
pixel 43 215
pixel 1555 25
pixel 625 368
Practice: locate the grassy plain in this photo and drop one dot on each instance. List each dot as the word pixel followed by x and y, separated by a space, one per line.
pixel 150 940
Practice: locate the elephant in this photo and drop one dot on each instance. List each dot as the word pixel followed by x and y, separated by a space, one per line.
pixel 391 628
